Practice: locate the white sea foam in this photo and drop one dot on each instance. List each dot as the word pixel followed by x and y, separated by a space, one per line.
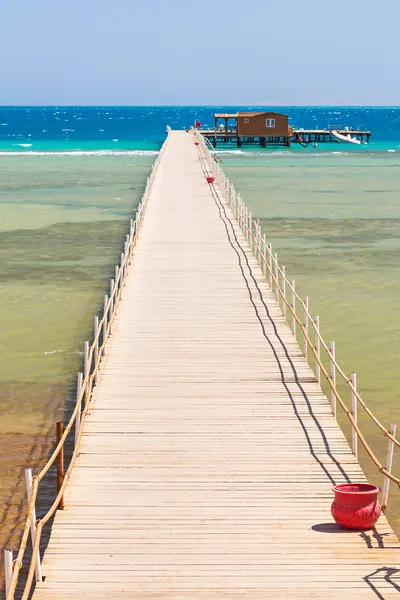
pixel 80 152
pixel 391 150
pixel 265 153
pixel 23 145
pixel 54 352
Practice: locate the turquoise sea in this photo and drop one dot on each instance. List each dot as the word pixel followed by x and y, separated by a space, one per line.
pixel 70 180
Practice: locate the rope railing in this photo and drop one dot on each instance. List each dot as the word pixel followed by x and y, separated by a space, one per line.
pixel 93 355
pixel 288 300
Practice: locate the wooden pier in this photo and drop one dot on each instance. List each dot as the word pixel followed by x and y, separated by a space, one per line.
pixel 205 449
pixel 325 135
pixel 297 136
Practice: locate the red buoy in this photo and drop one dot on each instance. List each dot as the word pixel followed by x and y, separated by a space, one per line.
pixel 356 505
pixel 210 179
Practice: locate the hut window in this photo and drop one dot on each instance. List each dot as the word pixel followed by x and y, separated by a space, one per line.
pixel 246 120
pixel 270 122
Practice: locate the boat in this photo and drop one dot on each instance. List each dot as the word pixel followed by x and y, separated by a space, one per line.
pixel 346 138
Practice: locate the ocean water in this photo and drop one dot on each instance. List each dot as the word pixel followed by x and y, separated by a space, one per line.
pixel 71 179
pixel 123 129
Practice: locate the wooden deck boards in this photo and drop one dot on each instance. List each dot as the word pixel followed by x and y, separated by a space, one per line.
pixel 209 454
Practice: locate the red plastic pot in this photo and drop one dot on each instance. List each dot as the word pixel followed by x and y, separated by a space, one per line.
pixel 196 143
pixel 210 179
pixel 356 505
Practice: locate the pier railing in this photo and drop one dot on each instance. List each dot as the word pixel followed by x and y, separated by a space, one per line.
pixel 307 324
pixel 93 354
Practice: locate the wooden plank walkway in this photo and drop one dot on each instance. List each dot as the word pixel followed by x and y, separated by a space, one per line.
pixel 209 455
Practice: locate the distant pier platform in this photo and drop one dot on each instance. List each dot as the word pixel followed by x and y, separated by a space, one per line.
pixel 303 137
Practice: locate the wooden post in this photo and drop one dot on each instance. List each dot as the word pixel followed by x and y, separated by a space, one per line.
pixel 86 366
pixel 105 313
pixel 8 567
pixel 294 323
pixel 257 242
pixel 264 269
pixel 284 290
pixel 276 273
pixel 333 377
pixel 232 195
pixel 28 482
pixel 78 414
pixel 96 345
pixel 111 298
pixel 389 462
pixel 116 273
pixel 270 266
pixel 306 302
pixel 60 463
pixel 318 349
pixel 121 281
pixel 251 231
pixel 354 436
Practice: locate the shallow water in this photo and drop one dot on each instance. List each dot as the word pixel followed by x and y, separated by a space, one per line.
pixel 63 225
pixel 335 223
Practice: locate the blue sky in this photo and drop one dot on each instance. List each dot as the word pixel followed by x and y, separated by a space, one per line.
pixel 159 52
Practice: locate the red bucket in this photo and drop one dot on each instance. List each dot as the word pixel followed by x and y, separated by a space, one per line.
pixel 210 179
pixel 356 505
pixel 196 143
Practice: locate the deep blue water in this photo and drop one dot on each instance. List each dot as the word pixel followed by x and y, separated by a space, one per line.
pixel 117 128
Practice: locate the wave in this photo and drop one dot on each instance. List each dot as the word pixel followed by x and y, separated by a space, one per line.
pixel 254 152
pixel 78 152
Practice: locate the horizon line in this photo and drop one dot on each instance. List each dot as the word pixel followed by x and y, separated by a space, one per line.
pixel 198 105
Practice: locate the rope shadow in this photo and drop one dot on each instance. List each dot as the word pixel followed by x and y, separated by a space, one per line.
pixel 243 260
pixel 389 572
